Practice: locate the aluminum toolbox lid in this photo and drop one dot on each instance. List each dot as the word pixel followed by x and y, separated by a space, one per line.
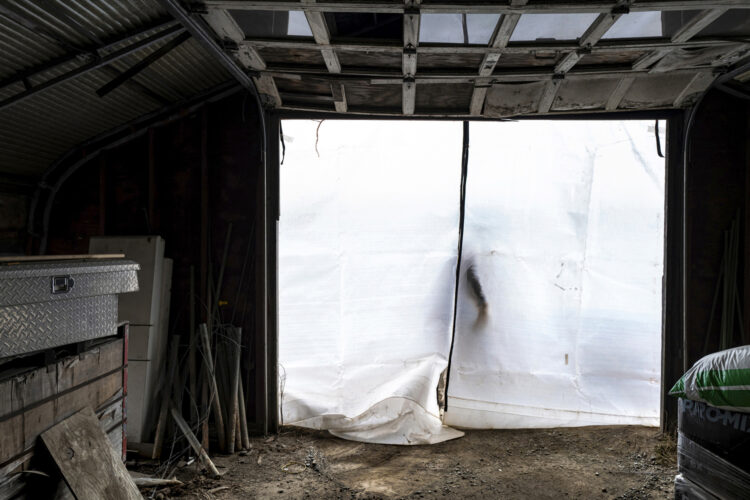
pixel 32 282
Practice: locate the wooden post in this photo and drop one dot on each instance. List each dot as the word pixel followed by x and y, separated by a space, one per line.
pixel 233 417
pixel 211 381
pixel 174 346
pixel 202 455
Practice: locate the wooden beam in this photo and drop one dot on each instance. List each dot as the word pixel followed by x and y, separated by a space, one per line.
pixel 548 95
pixel 615 46
pixel 227 29
pixel 322 37
pixel 591 37
pixel 598 28
pixel 339 97
pixel 617 95
pixel 567 62
pixel 409 56
pixel 409 92
pixel 691 28
pixel 484 7
pixel 499 40
pixel 697 84
pixel 389 76
pixel 696 24
pixel 477 100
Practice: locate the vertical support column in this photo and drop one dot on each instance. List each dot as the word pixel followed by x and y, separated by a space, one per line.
pixel 272 336
pixel 261 378
pixel 673 278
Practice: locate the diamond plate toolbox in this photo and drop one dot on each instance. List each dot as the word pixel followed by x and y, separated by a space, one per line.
pixel 49 304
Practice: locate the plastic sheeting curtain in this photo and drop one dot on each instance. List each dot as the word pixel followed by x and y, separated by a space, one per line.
pixel 564 236
pixel 367 257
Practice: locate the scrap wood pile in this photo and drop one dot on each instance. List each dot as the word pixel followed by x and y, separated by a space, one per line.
pixel 202 396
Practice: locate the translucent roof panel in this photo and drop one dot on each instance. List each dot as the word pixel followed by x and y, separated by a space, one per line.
pixel 272 24
pixel 298 25
pixel 636 25
pixel 551 26
pixel 373 25
pixel 450 28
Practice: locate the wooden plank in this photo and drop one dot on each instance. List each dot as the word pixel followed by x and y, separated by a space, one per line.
pixel 548 96
pixel 13 484
pixel 33 386
pixel 510 75
pixel 48 258
pixel 477 100
pixel 411 23
pixel 685 33
pixel 89 465
pixel 19 432
pixel 698 84
pixel 267 86
pixel 504 30
pixel 615 46
pixel 409 92
pixel 322 36
pixel 567 62
pixel 617 95
pixel 696 24
pixel 437 7
pixel 339 97
pixel 598 28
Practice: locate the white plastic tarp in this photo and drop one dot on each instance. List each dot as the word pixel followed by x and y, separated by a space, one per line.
pixel 564 229
pixel 367 255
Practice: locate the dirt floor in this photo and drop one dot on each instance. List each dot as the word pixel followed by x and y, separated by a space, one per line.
pixel 591 462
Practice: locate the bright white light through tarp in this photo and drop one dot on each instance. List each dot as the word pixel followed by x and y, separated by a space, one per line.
pixel 564 230
pixel 367 254
pixel 564 227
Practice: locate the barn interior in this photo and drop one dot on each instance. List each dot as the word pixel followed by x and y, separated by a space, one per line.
pixel 160 158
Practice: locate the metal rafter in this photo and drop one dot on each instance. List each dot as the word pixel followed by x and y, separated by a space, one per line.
pixel 95 64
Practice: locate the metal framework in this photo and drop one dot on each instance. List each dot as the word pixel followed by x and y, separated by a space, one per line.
pixel 294 83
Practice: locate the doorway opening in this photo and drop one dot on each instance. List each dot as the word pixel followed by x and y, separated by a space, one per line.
pixel 558 304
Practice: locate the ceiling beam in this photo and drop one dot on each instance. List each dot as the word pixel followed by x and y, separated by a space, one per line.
pixel 339 97
pixel 498 41
pixel 390 77
pixel 691 28
pixel 143 64
pixel 76 55
pixel 603 47
pixel 409 56
pixel 698 84
pixel 548 95
pixel 96 64
pixel 244 54
pixel 615 98
pixel 591 36
pixel 322 37
pixel 478 7
pixel 202 33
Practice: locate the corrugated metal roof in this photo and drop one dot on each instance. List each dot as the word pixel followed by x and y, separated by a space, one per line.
pixel 38 130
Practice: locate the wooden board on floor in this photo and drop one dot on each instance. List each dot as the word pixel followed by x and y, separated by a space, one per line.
pixel 90 467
